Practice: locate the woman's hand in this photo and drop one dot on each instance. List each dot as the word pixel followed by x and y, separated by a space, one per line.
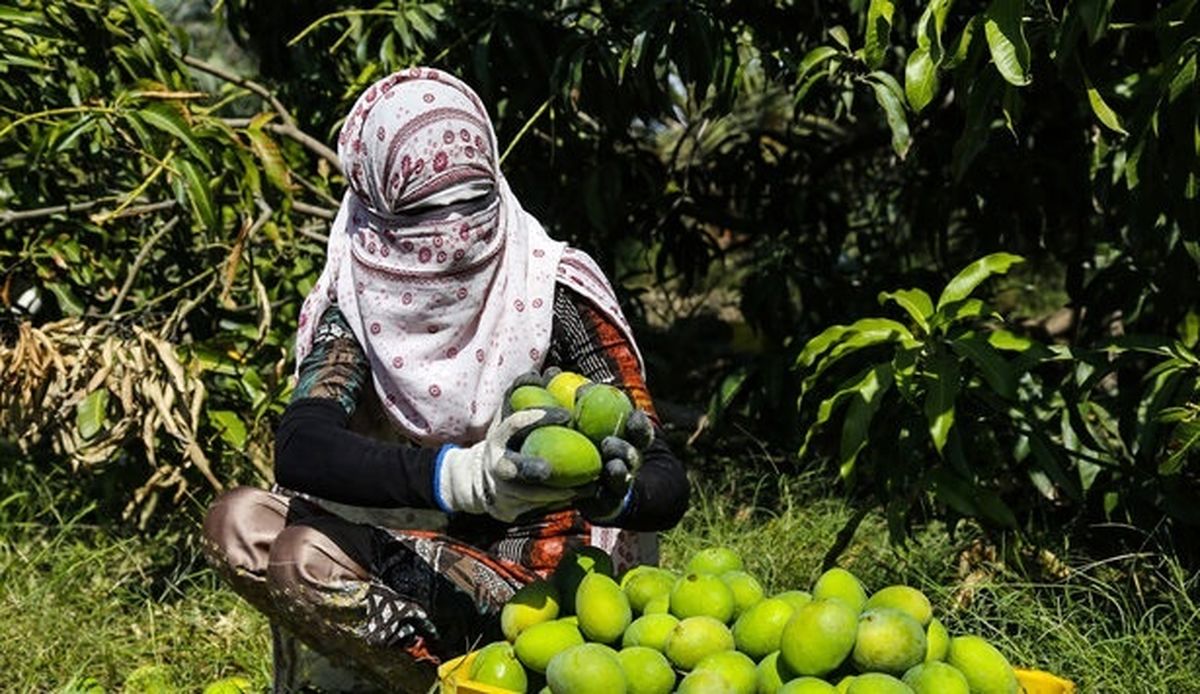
pixel 492 476
pixel 609 497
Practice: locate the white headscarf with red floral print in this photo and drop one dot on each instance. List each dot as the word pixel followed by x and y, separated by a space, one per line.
pixel 447 283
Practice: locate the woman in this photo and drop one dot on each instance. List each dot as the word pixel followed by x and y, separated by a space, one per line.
pixel 403 519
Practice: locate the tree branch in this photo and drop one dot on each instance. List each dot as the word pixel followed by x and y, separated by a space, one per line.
pixel 315 211
pixel 10 216
pixel 137 265
pixel 287 128
pixel 253 86
pixel 312 188
pixel 310 231
pixel 308 141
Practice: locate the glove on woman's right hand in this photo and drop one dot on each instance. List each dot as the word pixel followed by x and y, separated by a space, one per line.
pixel 492 476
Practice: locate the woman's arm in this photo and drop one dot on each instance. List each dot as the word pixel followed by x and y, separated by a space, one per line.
pixel 315 452
pixel 586 341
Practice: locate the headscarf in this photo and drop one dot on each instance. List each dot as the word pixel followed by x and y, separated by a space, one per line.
pixel 446 281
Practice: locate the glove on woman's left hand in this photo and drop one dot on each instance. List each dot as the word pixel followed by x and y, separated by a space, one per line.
pixel 609 497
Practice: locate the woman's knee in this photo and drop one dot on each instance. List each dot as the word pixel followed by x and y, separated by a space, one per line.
pixel 305 561
pixel 240 528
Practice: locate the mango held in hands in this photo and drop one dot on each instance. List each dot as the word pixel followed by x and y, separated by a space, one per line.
pixel 573 460
pixel 563 387
pixel 531 397
pixel 601 410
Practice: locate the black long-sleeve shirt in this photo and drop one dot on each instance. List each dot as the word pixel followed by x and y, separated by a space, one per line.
pixel 318 451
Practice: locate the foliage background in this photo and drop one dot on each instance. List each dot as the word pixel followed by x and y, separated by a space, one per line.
pixel 789 190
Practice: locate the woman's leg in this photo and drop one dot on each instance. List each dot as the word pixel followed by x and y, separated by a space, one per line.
pixel 394 603
pixel 397 604
pixel 238 531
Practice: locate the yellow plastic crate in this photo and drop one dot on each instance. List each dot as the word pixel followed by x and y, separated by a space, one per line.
pixel 454 680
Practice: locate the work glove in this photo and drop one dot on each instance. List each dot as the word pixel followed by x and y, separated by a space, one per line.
pixel 609 497
pixel 492 476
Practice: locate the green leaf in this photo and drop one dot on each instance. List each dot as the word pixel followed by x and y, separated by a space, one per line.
pixel 230 426
pixel 942 384
pixel 196 184
pixel 863 405
pixel 981 97
pixel 921 69
pixel 1182 79
pixel 1189 329
pixel 890 96
pixel 1103 111
pixel 813 59
pixel 68 303
pixel 992 366
pixel 992 507
pixel 1030 352
pixel 272 159
pixel 1111 501
pixel 840 35
pixel 819 344
pixel 854 343
pixel 92 413
pixel 1011 342
pixel 972 275
pixel 956 311
pixel 1184 440
pixel 417 18
pixel 1094 15
pixel 904 373
pixel 1088 470
pixel 960 48
pixel 830 405
pixel 730 386
pixel 1156 397
pixel 915 301
pixel 1043 484
pixel 1006 40
pixel 867 332
pixel 954 492
pixel 807 73
pixel 1049 458
pixel 167 118
pixel 879 32
pixel 920 79
pixel 143 13
pixel 930 26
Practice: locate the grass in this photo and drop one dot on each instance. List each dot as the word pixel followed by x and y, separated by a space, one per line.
pixel 81 600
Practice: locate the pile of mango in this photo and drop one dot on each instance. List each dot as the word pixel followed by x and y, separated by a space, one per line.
pixel 597 410
pixel 712 630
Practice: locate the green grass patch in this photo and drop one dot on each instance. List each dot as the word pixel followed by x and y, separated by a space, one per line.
pixel 77 602
pixel 80 600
